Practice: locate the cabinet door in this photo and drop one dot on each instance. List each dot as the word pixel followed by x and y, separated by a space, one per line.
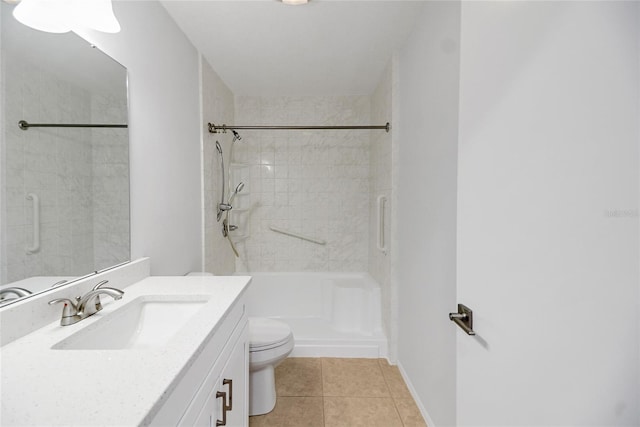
pixel 234 381
pixel 210 411
pixel 227 403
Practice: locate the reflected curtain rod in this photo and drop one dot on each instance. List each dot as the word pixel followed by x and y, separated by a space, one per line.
pixel 217 128
pixel 24 125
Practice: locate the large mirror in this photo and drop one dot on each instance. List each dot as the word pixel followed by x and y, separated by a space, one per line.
pixel 64 200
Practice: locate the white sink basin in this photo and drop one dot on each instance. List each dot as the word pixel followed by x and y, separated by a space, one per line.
pixel 146 322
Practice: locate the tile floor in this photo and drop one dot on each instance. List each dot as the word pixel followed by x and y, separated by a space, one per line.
pixel 332 392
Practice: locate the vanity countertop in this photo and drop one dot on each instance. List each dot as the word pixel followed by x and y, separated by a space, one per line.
pixel 43 386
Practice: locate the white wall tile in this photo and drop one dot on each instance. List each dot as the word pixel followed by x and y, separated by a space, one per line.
pixel 218 108
pixel 299 190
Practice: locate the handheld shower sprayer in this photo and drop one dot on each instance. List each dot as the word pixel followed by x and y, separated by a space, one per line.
pixel 223 207
pixel 236 191
pixel 226 207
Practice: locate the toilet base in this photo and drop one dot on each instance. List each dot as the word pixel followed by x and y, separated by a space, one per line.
pixel 262 391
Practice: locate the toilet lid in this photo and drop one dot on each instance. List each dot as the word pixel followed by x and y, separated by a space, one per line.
pixel 267 333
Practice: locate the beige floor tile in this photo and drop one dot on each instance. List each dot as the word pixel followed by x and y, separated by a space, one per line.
pixel 409 413
pixel 353 377
pixel 397 386
pixel 292 412
pixel 299 376
pixel 360 412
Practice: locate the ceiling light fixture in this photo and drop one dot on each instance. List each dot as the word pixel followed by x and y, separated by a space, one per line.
pixel 295 2
pixel 61 16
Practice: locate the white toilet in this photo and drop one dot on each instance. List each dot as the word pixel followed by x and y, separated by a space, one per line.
pixel 270 342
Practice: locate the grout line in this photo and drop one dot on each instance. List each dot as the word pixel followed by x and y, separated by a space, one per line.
pixel 393 398
pixel 384 378
pixel 324 415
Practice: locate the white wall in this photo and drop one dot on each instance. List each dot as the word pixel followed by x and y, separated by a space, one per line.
pixel 164 132
pixel 548 224
pixel 428 109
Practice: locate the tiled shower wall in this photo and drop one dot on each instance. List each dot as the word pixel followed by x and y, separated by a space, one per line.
pixel 323 184
pixel 58 166
pixel 381 166
pixel 311 182
pixel 35 161
pixel 110 180
pixel 217 107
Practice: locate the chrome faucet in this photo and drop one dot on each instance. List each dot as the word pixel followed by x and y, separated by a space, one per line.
pixel 20 292
pixel 90 303
pixel 100 286
pixel 86 305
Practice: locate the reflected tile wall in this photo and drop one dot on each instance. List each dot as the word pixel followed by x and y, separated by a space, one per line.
pixel 110 183
pixel 40 160
pixel 310 182
pixel 36 161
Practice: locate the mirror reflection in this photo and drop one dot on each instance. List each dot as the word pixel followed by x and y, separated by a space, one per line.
pixel 64 190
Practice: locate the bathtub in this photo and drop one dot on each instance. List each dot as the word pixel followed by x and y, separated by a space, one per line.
pixel 330 314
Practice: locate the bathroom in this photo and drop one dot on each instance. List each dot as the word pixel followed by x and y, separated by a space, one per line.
pixel 500 195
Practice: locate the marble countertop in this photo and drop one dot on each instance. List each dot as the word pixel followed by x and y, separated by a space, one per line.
pixel 42 386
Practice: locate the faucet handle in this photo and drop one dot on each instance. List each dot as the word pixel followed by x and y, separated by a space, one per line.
pixel 98 286
pixel 69 311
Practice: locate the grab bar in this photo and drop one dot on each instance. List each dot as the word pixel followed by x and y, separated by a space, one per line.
pixel 299 236
pixel 381 243
pixel 36 223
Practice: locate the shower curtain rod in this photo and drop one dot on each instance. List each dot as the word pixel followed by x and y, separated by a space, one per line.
pixel 24 125
pixel 223 128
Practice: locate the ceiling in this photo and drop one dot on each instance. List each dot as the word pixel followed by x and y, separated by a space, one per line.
pixel 326 47
pixel 69 57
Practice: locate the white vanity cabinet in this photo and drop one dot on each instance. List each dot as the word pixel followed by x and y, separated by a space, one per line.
pixel 214 390
pixel 226 402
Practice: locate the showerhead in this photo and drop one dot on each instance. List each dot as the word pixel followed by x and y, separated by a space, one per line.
pixel 218 147
pixel 236 136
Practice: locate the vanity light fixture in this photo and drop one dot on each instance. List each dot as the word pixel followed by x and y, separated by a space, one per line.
pixel 61 16
pixel 295 2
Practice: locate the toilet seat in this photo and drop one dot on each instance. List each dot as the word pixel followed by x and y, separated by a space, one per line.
pixel 267 334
